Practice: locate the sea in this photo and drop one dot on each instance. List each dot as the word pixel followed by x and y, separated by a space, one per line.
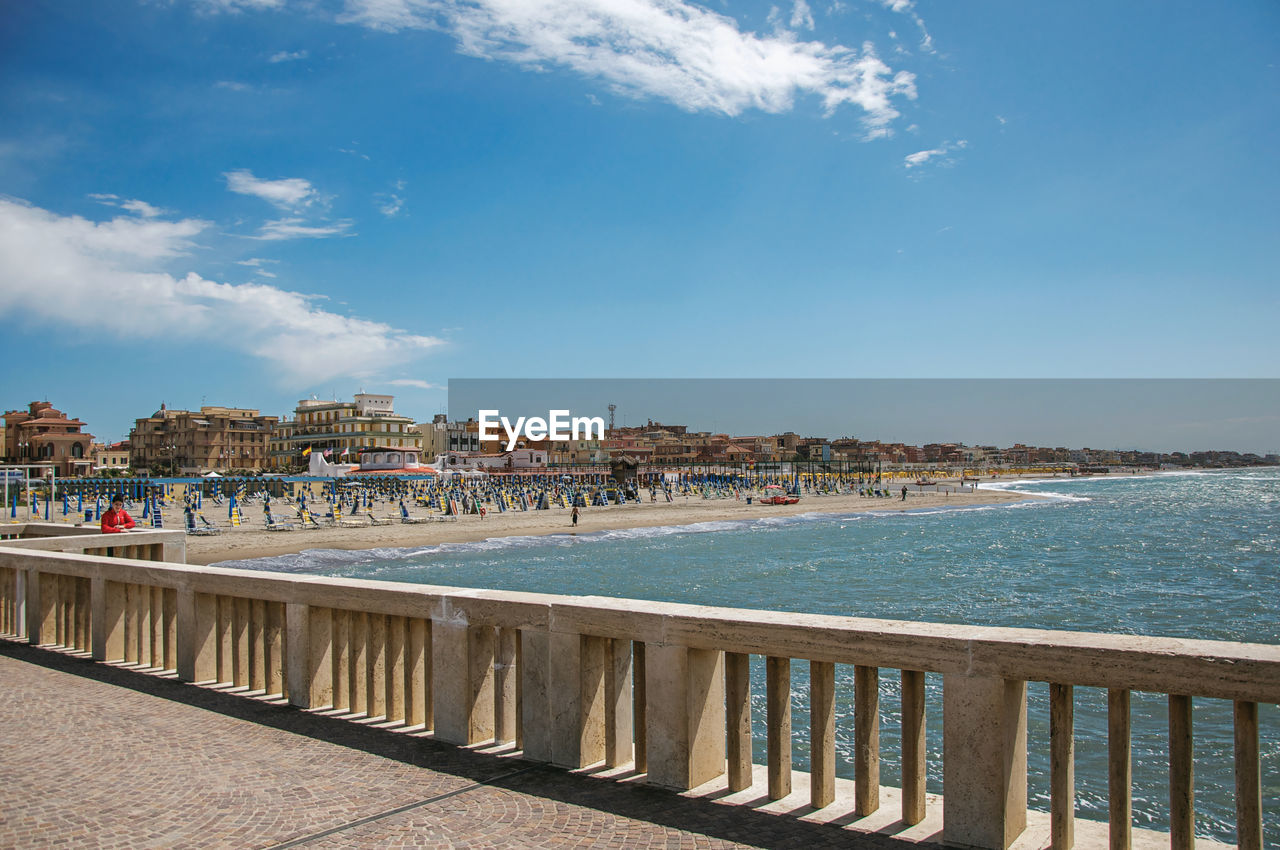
pixel 1186 554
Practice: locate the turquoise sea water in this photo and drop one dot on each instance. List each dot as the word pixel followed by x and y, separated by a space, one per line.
pixel 1185 554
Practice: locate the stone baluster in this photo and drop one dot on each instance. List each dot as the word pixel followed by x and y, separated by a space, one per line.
pixel 376 665
pixel 576 680
pixel 822 733
pixel 462 685
pixel 866 734
pixel 417 672
pixel 1182 815
pixel 914 772
pixel 737 700
pixel 395 669
pixel 1119 770
pixel 618 720
pixel 684 715
pixel 1248 777
pixel 1062 770
pixel 505 680
pixel 778 723
pixel 984 742
pixel 342 660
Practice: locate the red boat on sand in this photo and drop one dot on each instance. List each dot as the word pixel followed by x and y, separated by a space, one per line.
pixel 775 495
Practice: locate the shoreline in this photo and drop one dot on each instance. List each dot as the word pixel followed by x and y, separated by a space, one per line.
pixel 251 543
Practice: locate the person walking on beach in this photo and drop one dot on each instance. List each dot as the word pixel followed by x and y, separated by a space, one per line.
pixel 575 516
pixel 116 520
pixel 904 492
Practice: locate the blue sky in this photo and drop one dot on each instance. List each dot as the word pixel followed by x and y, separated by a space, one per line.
pixel 246 202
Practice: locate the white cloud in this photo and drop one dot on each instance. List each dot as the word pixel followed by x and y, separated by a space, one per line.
pixel 941 155
pixel 49 261
pixel 141 208
pixel 286 193
pixel 231 85
pixel 238 5
pixel 297 228
pixel 907 7
pixel 801 16
pixel 256 264
pixel 667 49
pixel 414 382
pixel 390 203
pixel 287 56
pixel 133 205
pixel 921 157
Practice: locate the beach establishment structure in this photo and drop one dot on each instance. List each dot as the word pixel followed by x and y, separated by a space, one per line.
pixel 662 693
pixel 45 434
pixel 342 428
pixel 213 439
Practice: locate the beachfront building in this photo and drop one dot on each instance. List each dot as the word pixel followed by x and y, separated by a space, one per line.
pixel 212 439
pixel 577 453
pixel 342 428
pixel 44 434
pixel 440 436
pixel 112 457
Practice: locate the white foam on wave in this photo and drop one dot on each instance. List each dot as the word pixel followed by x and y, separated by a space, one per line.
pixel 1012 487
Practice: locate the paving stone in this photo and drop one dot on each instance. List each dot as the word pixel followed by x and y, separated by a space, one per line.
pixel 94 755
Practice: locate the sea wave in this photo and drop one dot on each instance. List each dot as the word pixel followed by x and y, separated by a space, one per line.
pixel 1012 487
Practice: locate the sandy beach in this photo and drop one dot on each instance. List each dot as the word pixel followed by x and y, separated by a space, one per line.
pixel 255 542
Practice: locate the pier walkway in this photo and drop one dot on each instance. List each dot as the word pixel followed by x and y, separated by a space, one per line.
pixel 105 756
pixel 243 708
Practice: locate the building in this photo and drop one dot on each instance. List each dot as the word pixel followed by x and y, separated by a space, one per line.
pixel 440 436
pixel 342 427
pixel 213 439
pixel 114 456
pixel 43 434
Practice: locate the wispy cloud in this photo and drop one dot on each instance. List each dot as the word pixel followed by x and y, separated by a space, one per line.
pixel 908 8
pixel 667 49
pixel 48 260
pixel 132 205
pixel 390 203
pixel 232 85
pixel 801 16
pixel 256 264
pixel 287 56
pixel 363 156
pixel 298 228
pixel 287 193
pixel 414 382
pixel 238 5
pixel 937 156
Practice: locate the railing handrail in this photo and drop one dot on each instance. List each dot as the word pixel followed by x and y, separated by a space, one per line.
pixel 1191 667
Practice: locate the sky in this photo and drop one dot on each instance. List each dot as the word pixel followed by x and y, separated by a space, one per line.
pixel 250 202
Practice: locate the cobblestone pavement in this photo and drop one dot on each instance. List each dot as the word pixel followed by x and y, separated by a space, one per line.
pixel 98 756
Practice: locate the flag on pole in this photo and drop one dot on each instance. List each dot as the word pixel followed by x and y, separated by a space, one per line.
pixel 306 452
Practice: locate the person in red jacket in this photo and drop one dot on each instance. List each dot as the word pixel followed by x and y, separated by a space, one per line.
pixel 116 520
